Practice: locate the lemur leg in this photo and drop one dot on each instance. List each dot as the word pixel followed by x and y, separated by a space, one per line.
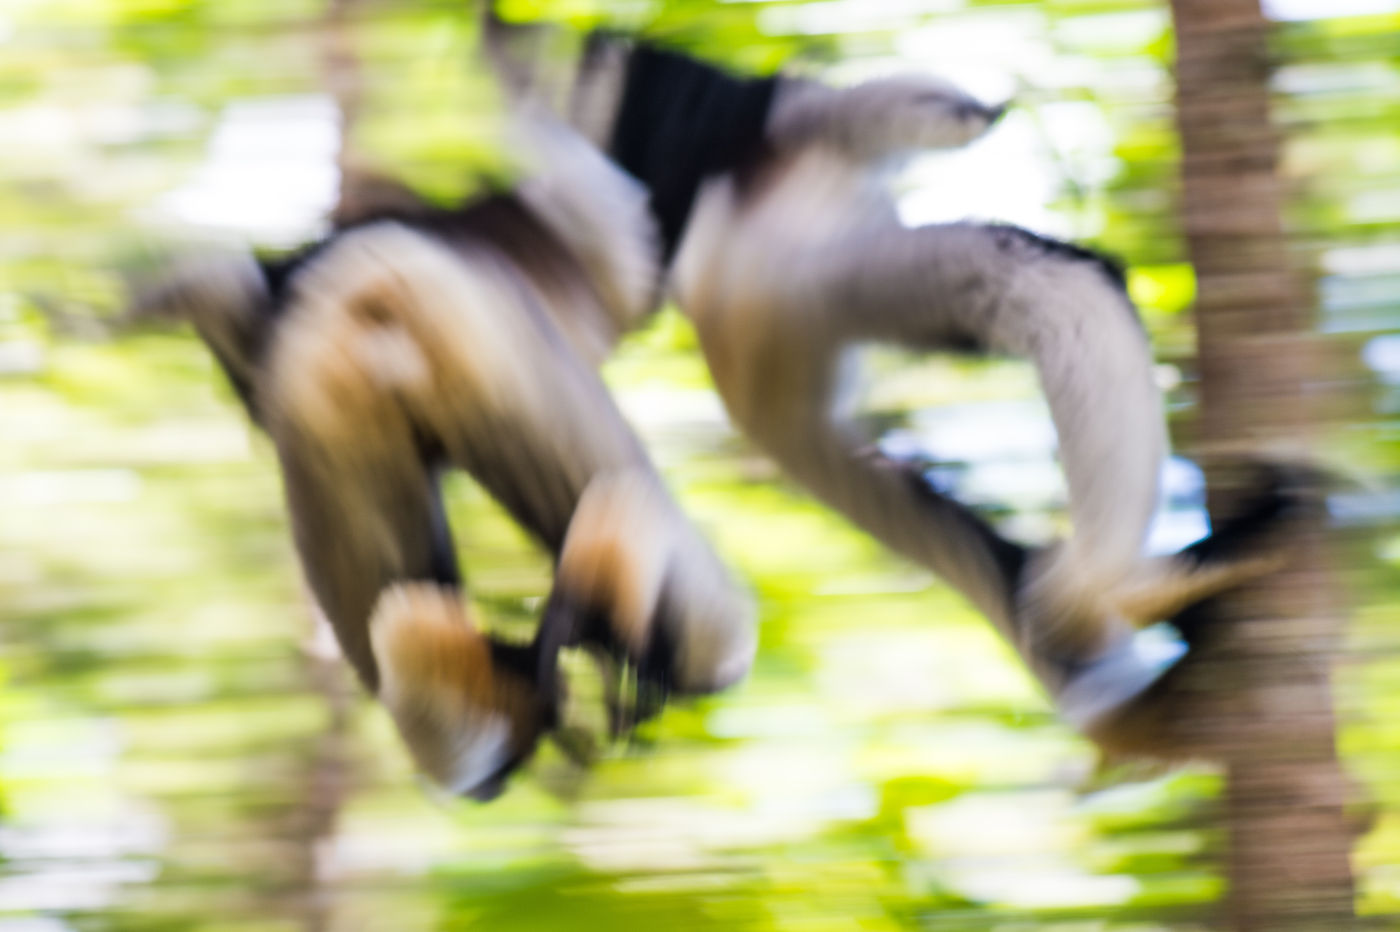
pixel 375 549
pixel 565 462
pixel 343 398
pixel 360 527
pixel 777 386
pixel 631 560
pixel 1065 309
pixel 374 544
pixel 880 119
pixel 459 353
pixel 366 511
pixel 1008 291
pixel 774 354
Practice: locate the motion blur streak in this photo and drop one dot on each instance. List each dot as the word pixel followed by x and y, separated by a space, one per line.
pixel 177 750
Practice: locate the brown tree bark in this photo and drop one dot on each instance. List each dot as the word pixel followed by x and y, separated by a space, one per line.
pixel 1289 841
pixel 345 82
pixel 327 774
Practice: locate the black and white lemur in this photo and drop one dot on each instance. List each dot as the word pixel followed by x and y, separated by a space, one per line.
pixel 415 339
pixel 785 250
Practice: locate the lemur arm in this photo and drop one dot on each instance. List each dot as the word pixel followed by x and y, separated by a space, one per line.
pixel 879 119
pixel 224 294
pixel 361 525
pixel 599 213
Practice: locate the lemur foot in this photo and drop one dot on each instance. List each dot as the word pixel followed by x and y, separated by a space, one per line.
pixel 470 708
pixel 1137 699
pixel 649 599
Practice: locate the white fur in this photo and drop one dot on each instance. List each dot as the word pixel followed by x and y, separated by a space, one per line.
pixel 880 119
pixel 467 745
pixel 456 742
pixel 717 638
pixel 626 526
pixel 600 214
pixel 597 95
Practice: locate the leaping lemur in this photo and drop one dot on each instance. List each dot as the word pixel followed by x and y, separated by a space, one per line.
pixel 414 339
pixel 785 251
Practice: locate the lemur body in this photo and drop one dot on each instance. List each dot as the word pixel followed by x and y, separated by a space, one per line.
pixel 786 251
pixel 414 340
pixel 785 271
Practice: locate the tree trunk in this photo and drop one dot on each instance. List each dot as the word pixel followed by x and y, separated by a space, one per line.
pixel 1288 838
pixel 326 774
pixel 344 81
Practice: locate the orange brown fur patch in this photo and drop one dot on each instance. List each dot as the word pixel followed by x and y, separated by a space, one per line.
pixel 1170 588
pixel 614 557
pixel 439 675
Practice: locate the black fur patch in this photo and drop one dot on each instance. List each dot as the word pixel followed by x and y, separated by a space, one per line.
pixel 1008 236
pixel 964 343
pixel 681 121
pixel 279 271
pixel 499 222
pixel 241 386
pixel 443 552
pixel 1280 491
pixel 517 659
pixel 655 669
pixel 1284 493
